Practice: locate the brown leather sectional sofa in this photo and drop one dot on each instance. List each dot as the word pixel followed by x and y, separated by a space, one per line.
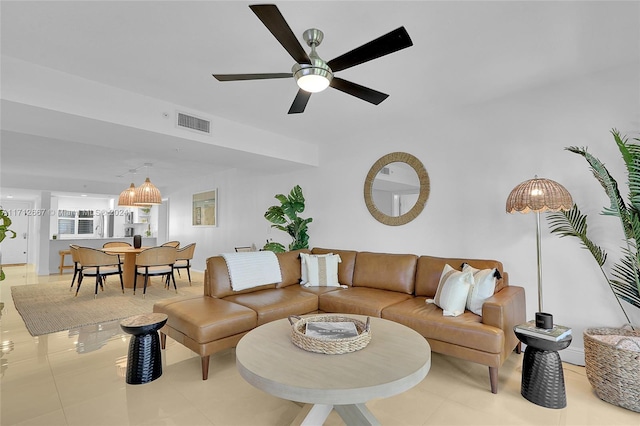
pixel 391 286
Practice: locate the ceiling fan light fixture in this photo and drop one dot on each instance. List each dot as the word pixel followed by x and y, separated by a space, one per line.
pixel 312 78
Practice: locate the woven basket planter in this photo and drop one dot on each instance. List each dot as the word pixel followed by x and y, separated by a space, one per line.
pixel 614 372
pixel 329 346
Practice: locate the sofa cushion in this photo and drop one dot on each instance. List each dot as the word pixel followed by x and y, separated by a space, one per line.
pixel 359 300
pixel 384 271
pixel 466 330
pixel 429 269
pixel 346 267
pixel 453 291
pixel 290 267
pixel 205 319
pixel 273 304
pixel 320 270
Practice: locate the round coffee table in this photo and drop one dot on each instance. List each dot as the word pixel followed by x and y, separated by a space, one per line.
pixel 396 359
pixel 144 363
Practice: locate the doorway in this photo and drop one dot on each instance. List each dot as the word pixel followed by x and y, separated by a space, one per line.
pixel 15 250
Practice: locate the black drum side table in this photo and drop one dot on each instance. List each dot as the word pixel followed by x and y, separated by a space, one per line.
pixel 144 363
pixel 542 375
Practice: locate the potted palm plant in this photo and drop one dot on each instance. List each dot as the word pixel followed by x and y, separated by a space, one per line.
pixel 612 354
pixel 285 218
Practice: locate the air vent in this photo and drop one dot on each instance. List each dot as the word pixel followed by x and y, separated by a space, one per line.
pixel 193 123
pixel 385 171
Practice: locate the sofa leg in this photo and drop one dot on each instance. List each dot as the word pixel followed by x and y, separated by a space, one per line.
pixel 163 340
pixel 493 378
pixel 205 367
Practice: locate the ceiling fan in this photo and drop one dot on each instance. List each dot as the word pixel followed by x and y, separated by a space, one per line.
pixel 312 73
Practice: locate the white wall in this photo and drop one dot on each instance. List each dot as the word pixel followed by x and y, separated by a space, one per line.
pixel 474 158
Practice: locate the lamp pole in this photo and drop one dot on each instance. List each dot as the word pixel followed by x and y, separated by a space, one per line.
pixel 539 261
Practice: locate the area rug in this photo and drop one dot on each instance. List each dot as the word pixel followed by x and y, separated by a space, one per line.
pixel 48 308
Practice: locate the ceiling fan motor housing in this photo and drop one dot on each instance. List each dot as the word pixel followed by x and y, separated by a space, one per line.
pixel 317 75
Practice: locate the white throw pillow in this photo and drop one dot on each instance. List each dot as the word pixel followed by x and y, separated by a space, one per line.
pixel 483 287
pixel 452 292
pixel 320 270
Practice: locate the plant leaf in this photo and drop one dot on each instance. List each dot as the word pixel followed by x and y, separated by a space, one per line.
pixel 275 214
pixel 573 223
pixel 274 247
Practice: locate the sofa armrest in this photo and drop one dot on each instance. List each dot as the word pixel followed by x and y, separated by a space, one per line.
pixel 504 310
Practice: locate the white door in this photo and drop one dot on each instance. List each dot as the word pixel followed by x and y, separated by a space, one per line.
pixel 14 250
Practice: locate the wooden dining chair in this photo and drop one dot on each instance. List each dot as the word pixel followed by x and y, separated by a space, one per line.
pixel 183 260
pixel 77 266
pixel 155 261
pixel 117 244
pixel 175 244
pixel 96 263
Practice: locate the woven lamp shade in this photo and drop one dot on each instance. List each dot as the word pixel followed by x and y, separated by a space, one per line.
pixel 539 195
pixel 128 196
pixel 147 194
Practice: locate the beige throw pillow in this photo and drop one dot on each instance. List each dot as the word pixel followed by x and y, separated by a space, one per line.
pixel 320 270
pixel 484 285
pixel 452 292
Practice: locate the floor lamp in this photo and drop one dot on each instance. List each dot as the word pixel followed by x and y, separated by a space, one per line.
pixel 539 195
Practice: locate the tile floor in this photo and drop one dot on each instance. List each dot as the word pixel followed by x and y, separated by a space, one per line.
pixel 62 379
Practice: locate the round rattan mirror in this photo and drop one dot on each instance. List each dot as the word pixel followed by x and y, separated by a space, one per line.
pixel 396 188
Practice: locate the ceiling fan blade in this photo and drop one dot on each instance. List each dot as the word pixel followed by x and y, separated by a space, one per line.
pixel 236 77
pixel 364 93
pixel 300 102
pixel 397 39
pixel 275 22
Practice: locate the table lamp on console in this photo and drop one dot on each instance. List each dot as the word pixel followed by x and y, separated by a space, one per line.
pixel 539 195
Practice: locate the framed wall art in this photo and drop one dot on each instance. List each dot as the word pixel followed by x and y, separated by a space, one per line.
pixel 205 208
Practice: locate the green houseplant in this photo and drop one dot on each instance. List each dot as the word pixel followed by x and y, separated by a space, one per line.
pixel 624 276
pixel 285 218
pixel 611 354
pixel 4 231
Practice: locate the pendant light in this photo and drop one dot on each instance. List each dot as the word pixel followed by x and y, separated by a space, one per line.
pixel 147 193
pixel 128 196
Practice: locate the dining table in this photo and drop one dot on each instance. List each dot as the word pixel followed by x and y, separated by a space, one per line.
pixel 129 264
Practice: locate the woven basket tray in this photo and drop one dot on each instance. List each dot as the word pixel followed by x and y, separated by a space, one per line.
pixel 329 346
pixel 613 372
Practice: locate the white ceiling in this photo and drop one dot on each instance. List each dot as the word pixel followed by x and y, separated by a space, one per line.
pixel 464 53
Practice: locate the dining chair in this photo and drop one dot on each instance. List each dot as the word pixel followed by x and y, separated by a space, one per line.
pixel 117 244
pixel 155 261
pixel 96 263
pixel 183 259
pixel 77 266
pixel 175 244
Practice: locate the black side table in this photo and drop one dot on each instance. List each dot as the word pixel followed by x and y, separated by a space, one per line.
pixel 542 375
pixel 144 363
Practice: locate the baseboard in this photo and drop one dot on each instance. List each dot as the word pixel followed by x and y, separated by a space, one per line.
pixel 573 356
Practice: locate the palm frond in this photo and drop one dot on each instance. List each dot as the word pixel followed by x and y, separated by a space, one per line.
pixel 618 207
pixel 573 223
pixel 624 284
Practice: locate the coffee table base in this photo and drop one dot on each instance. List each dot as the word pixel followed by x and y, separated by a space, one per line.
pixel 352 414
